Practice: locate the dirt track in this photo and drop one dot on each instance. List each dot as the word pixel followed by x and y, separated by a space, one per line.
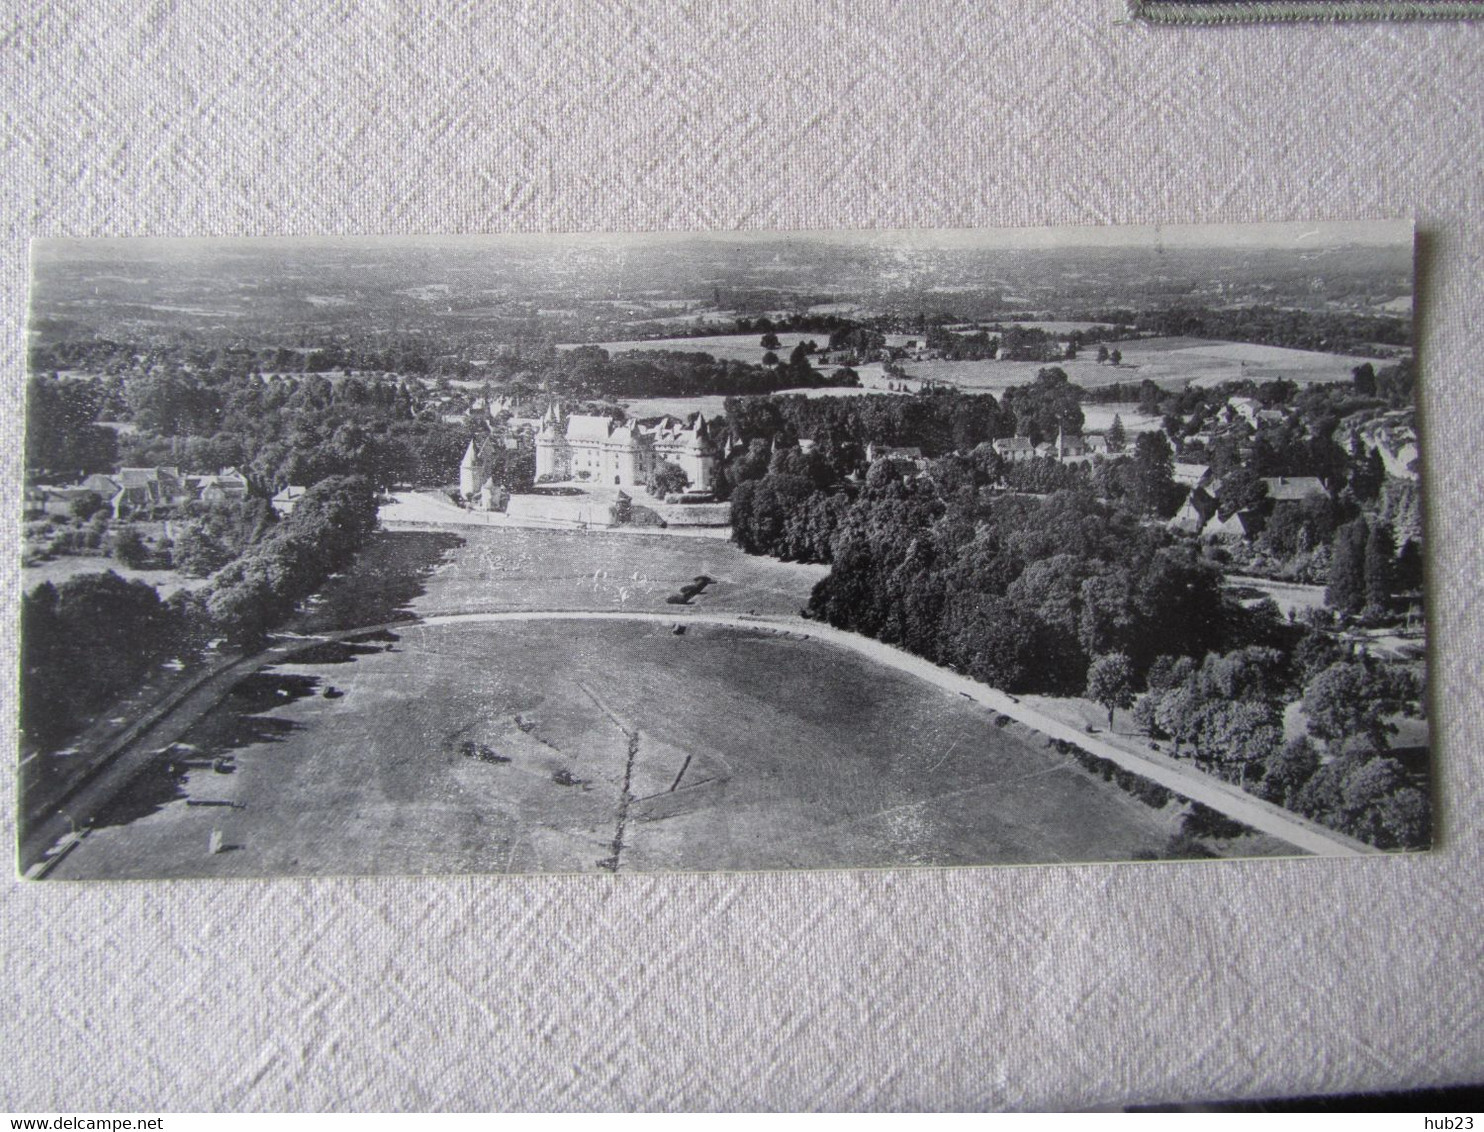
pixel 57 836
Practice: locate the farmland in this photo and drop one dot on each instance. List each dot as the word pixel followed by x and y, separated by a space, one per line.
pixel 1171 363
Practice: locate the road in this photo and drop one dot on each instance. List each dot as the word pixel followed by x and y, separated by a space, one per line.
pixel 55 837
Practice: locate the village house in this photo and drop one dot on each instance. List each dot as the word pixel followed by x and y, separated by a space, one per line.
pixel 1074 449
pixel 284 500
pixel 1290 489
pixel 1237 527
pixel 55 501
pixel 506 421
pixel 33 503
pixel 1191 475
pixel 1014 448
pixel 876 452
pixel 225 486
pixel 139 491
pixel 1194 513
pixel 1394 436
pixel 1244 408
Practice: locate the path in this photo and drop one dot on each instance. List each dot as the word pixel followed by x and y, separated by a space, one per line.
pixel 56 836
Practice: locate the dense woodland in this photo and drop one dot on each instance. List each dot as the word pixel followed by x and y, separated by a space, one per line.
pixel 1059 578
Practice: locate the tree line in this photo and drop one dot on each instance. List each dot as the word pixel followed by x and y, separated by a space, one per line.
pixel 1049 577
pixel 96 636
pixel 276 431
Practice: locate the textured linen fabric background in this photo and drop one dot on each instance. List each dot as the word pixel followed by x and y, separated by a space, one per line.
pixel 994 988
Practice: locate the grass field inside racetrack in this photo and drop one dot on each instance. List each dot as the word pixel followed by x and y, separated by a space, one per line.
pixel 507 747
pixel 407 573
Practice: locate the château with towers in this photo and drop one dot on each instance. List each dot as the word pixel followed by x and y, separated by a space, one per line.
pixel 598 450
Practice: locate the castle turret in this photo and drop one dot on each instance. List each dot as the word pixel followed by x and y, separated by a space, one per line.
pixel 469 477
pixel 553 457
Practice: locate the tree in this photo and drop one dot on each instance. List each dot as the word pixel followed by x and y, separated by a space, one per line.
pixel 1149 395
pixel 130 550
pixel 1116 357
pixel 175 403
pixel 1253 674
pixel 1051 404
pixel 769 341
pixel 1169 672
pixel 1102 355
pixel 1404 818
pixel 85 506
pixel 198 553
pixel 1347 700
pixel 1151 486
pixel 1181 603
pixel 1367 475
pixel 1110 682
pixel 1117 437
pixel 1287 769
pixel 770 358
pixel 1380 568
pixel 1109 618
pixel 83 643
pixel 62 440
pixel 1241 490
pixel 1242 733
pixel 666 479
pixel 1347 583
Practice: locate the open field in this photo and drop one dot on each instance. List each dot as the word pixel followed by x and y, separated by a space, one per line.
pixel 531 569
pixel 1060 327
pixel 1099 418
pixel 732 347
pixel 1291 597
pixel 66 567
pixel 715 405
pixel 422 573
pixel 507 748
pixel 1172 363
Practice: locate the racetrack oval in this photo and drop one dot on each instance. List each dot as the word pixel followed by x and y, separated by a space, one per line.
pixel 548 745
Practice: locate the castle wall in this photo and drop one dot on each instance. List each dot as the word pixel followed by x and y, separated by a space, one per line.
pixel 623 459
pixel 699 466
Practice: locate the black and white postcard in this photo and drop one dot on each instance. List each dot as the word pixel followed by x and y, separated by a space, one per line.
pixel 721 551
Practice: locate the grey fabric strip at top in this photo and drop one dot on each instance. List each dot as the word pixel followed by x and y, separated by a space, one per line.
pixel 1248 11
